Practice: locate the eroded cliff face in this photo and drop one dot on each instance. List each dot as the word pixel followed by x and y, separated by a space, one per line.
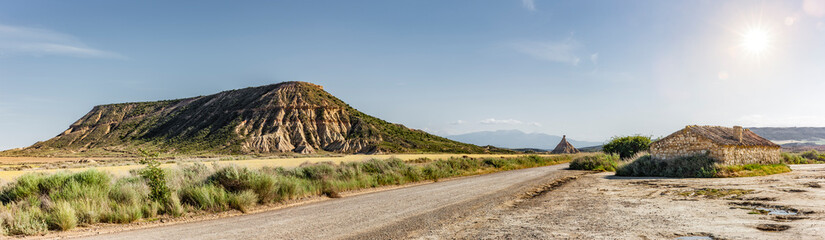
pixel 287 117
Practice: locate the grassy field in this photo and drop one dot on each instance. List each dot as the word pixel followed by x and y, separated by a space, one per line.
pixel 38 164
pixel 37 203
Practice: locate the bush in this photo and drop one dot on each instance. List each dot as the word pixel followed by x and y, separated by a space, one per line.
pixel 128 192
pixel 693 166
pixel 700 166
pixel 150 209
pixel 236 180
pixel 173 206
pixel 62 216
pixel 813 155
pixel 627 146
pixel 601 162
pixel 288 188
pixel 243 201
pixel 788 158
pixel 206 197
pixel 809 157
pixel 156 179
pixel 750 170
pixel 59 186
pixel 28 222
pixel 88 211
pixel 122 213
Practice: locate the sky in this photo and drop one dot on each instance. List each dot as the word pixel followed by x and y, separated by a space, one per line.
pixel 587 69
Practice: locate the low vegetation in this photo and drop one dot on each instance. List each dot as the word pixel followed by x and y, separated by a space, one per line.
pixel 751 170
pixel 628 146
pixel 700 166
pixel 809 157
pixel 37 203
pixel 599 162
pixel 714 193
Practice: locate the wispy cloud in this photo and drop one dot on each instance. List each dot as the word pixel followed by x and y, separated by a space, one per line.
pixel 594 58
pixel 559 51
pixel 457 122
pixel 492 121
pixel 39 42
pixel 529 4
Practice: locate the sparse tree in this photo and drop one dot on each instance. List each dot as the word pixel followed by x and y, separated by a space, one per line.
pixel 627 146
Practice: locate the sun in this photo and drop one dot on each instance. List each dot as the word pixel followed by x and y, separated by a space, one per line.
pixel 756 40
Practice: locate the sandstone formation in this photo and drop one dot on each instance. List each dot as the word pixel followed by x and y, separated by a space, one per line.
pixel 564 147
pixel 286 117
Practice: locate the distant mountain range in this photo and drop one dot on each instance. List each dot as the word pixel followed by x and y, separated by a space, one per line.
pixel 794 138
pixel 516 139
pixel 809 134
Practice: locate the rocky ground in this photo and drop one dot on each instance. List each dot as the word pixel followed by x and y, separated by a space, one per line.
pixel 601 206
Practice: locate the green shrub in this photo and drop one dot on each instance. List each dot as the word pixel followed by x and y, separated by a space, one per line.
pixel 88 211
pixel 813 155
pixel 411 174
pixel 122 213
pixel 700 166
pixel 129 192
pixel 62 216
pixel 809 157
pixel 750 170
pixel 150 209
pixel 497 162
pixel 600 162
pixel 173 206
pixel 789 158
pixel 28 222
pixel 693 166
pixel 187 175
pixel 316 171
pixel 627 146
pixel 206 197
pixel 242 201
pixel 236 180
pixel 389 178
pixel 156 179
pixel 59 186
pixel 288 188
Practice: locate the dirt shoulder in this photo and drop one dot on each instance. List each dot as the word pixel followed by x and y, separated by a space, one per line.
pixel 605 207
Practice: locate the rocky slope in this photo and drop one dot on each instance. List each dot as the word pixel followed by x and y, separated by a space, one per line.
pixel 286 117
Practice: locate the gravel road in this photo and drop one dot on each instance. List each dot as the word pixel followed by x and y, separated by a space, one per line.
pixel 398 213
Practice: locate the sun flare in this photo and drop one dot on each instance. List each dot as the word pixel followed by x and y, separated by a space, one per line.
pixel 756 41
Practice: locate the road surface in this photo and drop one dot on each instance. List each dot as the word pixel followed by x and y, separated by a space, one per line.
pixel 398 213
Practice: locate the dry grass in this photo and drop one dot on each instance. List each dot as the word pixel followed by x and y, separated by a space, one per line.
pixel 714 193
pixel 36 203
pixel 751 170
pixel 123 167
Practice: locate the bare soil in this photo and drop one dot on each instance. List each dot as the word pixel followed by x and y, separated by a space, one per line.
pixel 602 206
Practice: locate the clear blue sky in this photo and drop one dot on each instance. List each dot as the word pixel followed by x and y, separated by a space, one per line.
pixel 587 69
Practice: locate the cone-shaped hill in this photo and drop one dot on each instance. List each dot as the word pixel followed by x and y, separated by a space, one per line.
pixel 564 147
pixel 286 117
